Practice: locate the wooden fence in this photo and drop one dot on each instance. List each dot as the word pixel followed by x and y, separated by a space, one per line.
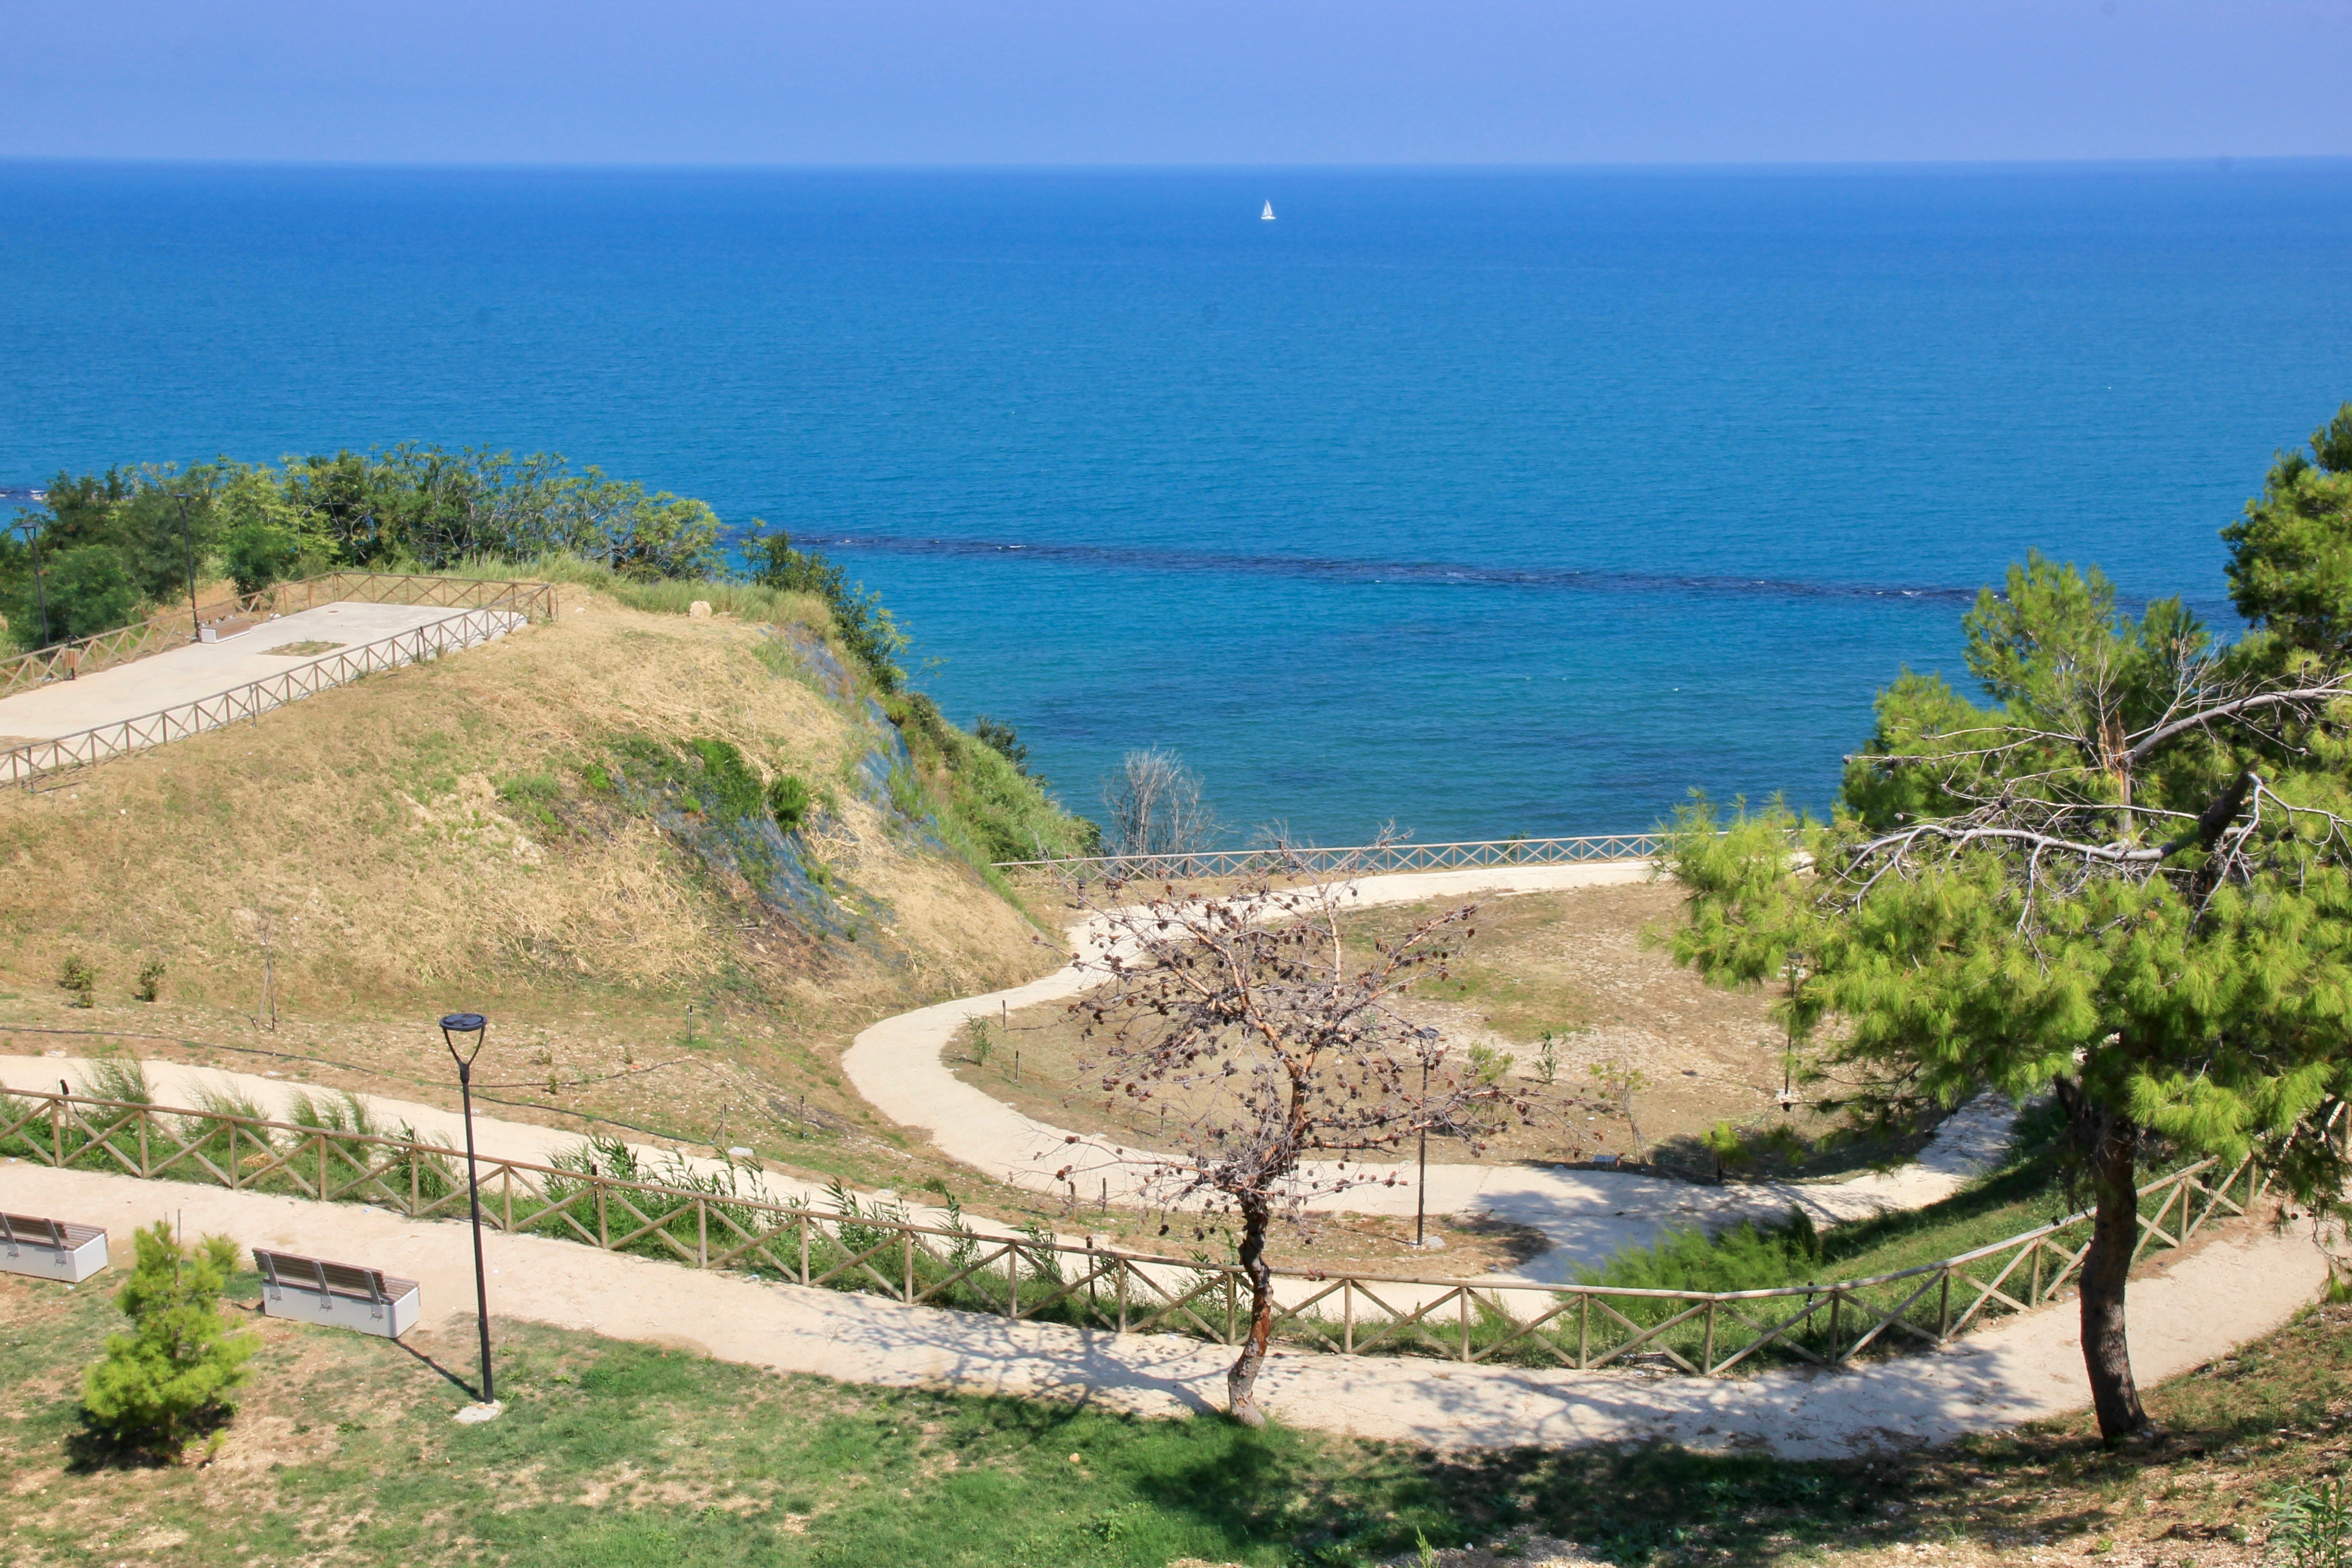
pixel 29 762
pixel 709 1222
pixel 172 628
pixel 1365 859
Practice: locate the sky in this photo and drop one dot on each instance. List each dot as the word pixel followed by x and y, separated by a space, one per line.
pixel 1116 82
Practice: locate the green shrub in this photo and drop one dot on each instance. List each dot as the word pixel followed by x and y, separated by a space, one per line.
pixel 79 976
pixel 150 980
pixel 2311 1525
pixel 1746 1257
pixel 170 1376
pixel 259 553
pixel 89 591
pixel 788 801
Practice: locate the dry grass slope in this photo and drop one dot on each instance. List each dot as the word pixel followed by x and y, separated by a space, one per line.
pixel 448 835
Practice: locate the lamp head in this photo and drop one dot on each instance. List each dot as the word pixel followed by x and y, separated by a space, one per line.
pixel 455 1026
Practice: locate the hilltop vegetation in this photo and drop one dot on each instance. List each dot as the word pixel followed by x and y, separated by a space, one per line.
pixel 679 860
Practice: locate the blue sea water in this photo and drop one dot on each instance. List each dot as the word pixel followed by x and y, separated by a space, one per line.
pixel 1481 503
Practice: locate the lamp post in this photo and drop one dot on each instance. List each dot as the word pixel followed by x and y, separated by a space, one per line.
pixel 453 1027
pixel 195 615
pixel 41 594
pixel 1421 1186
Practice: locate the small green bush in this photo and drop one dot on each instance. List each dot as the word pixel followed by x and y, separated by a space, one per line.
pixel 150 980
pixel 171 1375
pixel 79 976
pixel 259 553
pixel 788 801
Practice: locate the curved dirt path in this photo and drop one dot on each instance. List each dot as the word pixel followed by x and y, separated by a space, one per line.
pixel 1585 1215
pixel 2234 1287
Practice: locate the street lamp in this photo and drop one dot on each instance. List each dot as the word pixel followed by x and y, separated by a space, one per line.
pixel 195 615
pixel 41 594
pixel 455 1027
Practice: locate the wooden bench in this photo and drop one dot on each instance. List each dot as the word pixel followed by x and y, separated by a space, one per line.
pixel 50 1249
pixel 339 1295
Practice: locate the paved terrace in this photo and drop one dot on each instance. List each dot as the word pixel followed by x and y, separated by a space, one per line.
pixel 163 680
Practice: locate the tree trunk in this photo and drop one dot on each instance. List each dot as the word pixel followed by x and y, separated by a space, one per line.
pixel 2110 1147
pixel 1240 1383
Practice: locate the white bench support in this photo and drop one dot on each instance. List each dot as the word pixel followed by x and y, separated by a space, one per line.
pixel 48 1249
pixel 336 1295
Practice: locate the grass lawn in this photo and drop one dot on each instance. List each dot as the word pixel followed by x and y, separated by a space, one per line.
pixel 616 1453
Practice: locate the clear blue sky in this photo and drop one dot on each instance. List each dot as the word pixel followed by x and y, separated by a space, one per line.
pixel 1173 82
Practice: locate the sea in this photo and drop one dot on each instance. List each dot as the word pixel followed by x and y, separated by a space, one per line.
pixel 1464 502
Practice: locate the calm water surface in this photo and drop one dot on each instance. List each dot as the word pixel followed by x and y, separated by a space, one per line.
pixel 1480 503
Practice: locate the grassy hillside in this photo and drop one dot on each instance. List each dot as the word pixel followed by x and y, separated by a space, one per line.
pixel 691 852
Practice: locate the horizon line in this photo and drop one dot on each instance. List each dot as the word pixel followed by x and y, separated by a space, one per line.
pixel 2183 163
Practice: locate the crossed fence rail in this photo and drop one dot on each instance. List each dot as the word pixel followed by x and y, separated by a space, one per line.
pixel 1363 860
pixel 29 762
pixel 708 1222
pixel 175 628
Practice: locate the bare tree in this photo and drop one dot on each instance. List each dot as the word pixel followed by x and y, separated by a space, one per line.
pixel 1249 1014
pixel 1156 806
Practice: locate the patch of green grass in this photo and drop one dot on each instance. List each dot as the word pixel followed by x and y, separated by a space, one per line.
pixel 620 1453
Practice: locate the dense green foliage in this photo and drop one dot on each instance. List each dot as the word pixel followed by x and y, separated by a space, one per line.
pixel 2124 879
pixel 2290 554
pixel 864 627
pixel 997 808
pixel 177 1366
pixel 108 542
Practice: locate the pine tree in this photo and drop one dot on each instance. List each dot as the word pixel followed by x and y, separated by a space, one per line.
pixel 174 1369
pixel 2123 882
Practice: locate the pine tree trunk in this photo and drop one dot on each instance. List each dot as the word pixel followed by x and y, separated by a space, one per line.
pixel 1240 1383
pixel 2111 1152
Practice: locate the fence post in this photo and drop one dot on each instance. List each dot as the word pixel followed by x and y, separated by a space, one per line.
pixel 322 1136
pixel 2035 1299
pixel 603 1231
pixel 415 1183
pixel 1837 1300
pixel 907 1240
pixel 1122 1295
pixel 57 1132
pixel 236 1162
pixel 1944 1308
pixel 1584 1330
pixel 1462 1297
pixel 506 1194
pixel 702 1235
pixel 1348 1317
pixel 1707 1354
pixel 144 1113
pixel 804 1225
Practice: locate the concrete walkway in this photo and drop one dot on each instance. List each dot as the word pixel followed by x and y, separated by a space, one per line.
pixel 1585 1215
pixel 166 680
pixel 2210 1300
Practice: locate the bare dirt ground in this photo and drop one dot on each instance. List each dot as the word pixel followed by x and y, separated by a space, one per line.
pixel 1562 982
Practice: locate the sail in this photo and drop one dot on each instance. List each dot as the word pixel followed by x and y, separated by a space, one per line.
pixel 1268 214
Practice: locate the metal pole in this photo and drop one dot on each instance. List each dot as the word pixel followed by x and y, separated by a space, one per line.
pixel 474 1201
pixel 40 593
pixel 1421 1186
pixel 475 1026
pixel 187 535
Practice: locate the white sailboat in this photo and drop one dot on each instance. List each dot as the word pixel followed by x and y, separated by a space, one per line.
pixel 1268 214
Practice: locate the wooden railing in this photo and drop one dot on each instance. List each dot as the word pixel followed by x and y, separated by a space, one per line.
pixel 172 628
pixel 708 1222
pixel 1365 859
pixel 28 763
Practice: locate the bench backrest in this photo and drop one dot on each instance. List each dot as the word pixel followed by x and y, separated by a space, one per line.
pixel 318 1274
pixel 31 1230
